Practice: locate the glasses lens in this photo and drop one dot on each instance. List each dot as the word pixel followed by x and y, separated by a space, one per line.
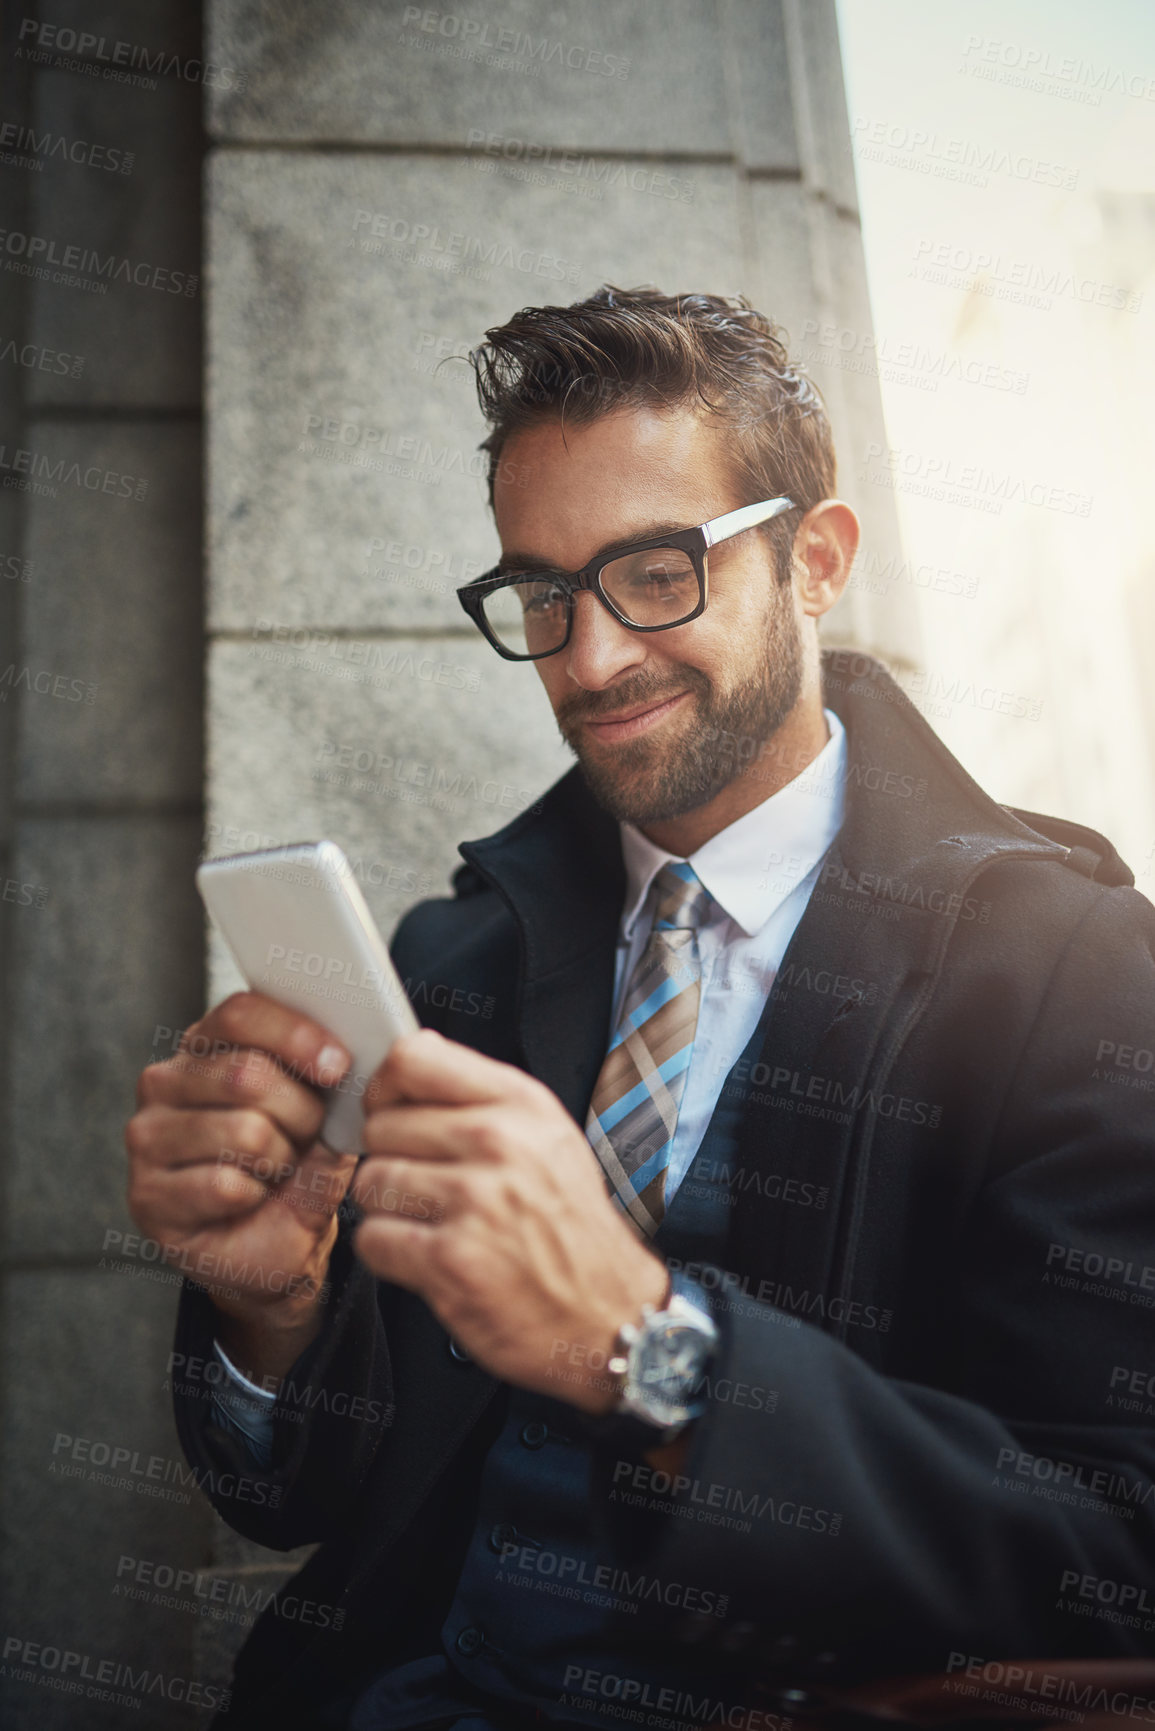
pixel 657 587
pixel 529 616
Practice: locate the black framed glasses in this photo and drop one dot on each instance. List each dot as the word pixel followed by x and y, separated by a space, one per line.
pixel 649 585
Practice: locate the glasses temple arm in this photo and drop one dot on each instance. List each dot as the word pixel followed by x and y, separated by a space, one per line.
pixel 745 517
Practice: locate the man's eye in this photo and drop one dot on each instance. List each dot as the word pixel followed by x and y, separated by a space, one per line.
pixel 659 579
pixel 540 597
pixel 664 568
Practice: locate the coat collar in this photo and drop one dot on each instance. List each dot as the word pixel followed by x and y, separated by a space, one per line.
pixel 912 809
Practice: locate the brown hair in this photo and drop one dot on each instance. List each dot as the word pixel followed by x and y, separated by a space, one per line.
pixel 628 347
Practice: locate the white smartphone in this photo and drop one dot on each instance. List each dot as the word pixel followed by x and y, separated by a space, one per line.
pixel 300 932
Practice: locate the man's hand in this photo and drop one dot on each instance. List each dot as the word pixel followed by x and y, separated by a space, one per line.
pixel 482 1195
pixel 226 1171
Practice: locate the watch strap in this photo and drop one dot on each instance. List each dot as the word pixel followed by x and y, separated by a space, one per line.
pixel 625 1428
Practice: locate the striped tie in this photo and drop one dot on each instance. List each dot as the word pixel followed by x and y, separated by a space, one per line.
pixel 634 1107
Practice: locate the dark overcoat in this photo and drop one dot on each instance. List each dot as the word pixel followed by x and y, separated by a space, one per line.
pixel 957 1318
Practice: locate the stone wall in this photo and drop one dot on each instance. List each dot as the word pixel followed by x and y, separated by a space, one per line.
pixel 101 775
pixel 382 183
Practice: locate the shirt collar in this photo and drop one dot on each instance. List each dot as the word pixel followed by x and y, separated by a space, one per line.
pixel 752 865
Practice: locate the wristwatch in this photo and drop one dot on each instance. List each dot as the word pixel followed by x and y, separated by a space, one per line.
pixel 659 1363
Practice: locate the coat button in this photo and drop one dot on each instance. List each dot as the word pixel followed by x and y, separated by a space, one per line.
pixel 458 1352
pixel 535 1434
pixel 503 1537
pixel 469 1641
pixel 792 1700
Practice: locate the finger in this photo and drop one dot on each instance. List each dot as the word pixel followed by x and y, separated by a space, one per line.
pixel 240 1076
pixel 193 1197
pixel 426 1067
pixel 170 1137
pixel 251 1019
pixel 446 1133
pixel 395 1248
pixel 320 1181
pixel 406 1187
pixel 320 1160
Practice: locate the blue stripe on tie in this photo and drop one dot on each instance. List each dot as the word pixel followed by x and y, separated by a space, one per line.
pixel 673 1066
pixel 676 1062
pixel 625 1103
pixel 638 1017
pixel 658 1162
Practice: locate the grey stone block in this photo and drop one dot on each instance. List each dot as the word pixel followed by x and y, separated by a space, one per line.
pixel 108 678
pixel 148 25
pixel 112 955
pixel 828 295
pixel 763 109
pixel 782 273
pixel 820 100
pixel 811 279
pixel 883 619
pixel 596 75
pixel 312 334
pixel 87 1352
pixel 393 766
pixel 14 578
pixel 136 235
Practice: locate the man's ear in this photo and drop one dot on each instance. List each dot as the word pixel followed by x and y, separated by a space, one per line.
pixel 823 554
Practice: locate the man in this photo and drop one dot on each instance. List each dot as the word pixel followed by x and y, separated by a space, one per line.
pixel 760 1300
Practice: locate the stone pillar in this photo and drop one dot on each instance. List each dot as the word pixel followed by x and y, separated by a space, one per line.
pixel 100 825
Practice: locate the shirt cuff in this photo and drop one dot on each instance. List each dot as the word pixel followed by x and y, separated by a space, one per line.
pixel 245 1408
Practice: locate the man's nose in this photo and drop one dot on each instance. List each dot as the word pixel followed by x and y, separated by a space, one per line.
pixel 600 646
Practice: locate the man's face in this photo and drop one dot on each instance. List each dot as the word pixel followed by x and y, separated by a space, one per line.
pixel 660 721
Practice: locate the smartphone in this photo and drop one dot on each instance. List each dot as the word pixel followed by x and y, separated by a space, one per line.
pixel 300 932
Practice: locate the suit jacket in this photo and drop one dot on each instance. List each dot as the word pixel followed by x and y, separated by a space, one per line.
pixel 957 1057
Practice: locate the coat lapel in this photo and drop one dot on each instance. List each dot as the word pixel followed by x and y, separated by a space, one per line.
pixel 560 872
pixel 917 832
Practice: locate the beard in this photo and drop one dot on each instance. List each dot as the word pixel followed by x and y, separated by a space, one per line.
pixel 646 781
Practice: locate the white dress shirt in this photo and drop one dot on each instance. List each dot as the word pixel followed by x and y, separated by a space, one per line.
pixel 760 871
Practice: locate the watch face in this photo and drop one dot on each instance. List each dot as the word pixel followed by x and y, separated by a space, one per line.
pixel 671 1364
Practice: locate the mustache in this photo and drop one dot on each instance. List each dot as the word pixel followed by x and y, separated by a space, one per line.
pixel 593 705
